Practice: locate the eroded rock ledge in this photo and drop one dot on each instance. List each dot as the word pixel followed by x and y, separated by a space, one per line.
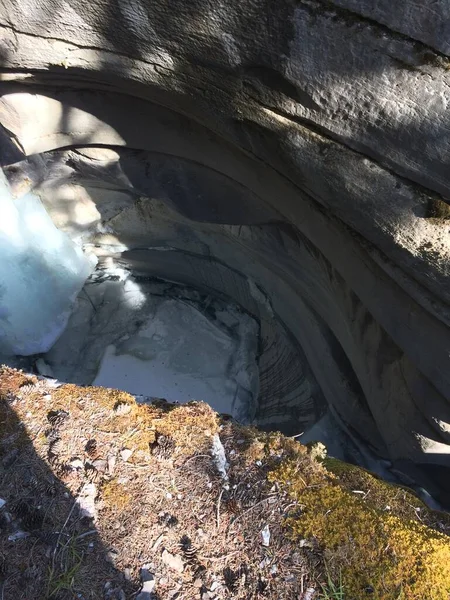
pixel 94 487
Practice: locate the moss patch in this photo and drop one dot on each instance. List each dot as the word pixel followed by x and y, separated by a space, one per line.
pixel 116 495
pixel 374 546
pixel 190 425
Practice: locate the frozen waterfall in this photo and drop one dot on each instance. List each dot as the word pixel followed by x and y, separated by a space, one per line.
pixel 41 273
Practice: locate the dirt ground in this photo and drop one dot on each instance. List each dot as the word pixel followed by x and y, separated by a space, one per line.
pixel 94 489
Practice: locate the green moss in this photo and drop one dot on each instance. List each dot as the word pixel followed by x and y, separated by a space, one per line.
pixel 115 495
pixel 364 542
pixel 396 499
pixel 190 425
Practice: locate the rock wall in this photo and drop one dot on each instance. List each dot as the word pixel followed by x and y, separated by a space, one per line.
pixel 315 135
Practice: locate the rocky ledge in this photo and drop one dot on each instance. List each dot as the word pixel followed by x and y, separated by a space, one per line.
pixel 103 497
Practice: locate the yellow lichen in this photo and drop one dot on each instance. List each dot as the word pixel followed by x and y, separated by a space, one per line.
pixel 191 426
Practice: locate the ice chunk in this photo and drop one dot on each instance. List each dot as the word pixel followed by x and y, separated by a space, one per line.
pixel 41 273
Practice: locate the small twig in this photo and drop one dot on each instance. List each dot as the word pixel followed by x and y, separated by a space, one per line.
pixel 158 542
pixel 192 458
pixel 83 535
pixel 60 533
pixel 164 491
pixel 415 511
pixel 219 558
pixel 218 507
pixel 252 507
pixel 131 434
pixel 296 503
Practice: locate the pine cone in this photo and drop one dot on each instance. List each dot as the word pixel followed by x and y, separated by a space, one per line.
pixel 163 447
pixel 33 520
pixel 32 481
pixel 50 538
pixel 189 550
pixel 57 417
pixel 53 459
pixel 51 434
pixel 232 506
pixel 233 579
pixel 91 448
pixel 91 472
pixel 121 409
pixel 20 508
pixel 56 446
pixel 50 489
pixel 26 389
pixel 66 473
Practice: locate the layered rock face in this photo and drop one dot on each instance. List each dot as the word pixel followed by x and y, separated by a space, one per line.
pixel 292 158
